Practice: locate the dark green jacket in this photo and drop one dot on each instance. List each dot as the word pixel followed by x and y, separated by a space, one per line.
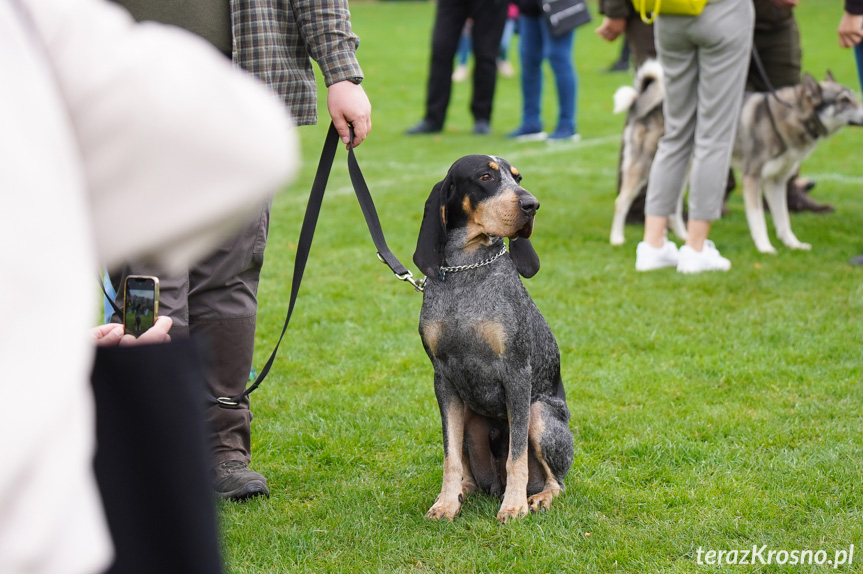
pixel 210 19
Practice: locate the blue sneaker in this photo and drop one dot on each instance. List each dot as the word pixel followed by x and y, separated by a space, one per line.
pixel 560 135
pixel 526 134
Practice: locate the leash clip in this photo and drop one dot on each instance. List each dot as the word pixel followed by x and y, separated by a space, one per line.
pixel 418 285
pixel 227 401
pixel 407 276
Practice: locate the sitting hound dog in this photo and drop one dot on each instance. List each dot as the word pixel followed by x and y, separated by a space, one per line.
pixel 496 362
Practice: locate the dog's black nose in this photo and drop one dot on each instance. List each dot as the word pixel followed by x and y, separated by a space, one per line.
pixel 529 204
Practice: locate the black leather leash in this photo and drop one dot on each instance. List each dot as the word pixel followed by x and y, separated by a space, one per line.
pixel 304 245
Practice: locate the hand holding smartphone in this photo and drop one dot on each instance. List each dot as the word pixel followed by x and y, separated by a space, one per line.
pixel 140 303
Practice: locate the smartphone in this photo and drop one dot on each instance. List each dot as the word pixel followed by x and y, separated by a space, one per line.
pixel 140 303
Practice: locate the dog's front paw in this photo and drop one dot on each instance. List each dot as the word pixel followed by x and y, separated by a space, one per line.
pixel 768 249
pixel 540 502
pixel 445 508
pixel 617 239
pixel 509 511
pixel 801 246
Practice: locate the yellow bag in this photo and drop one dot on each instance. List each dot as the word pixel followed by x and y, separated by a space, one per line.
pixel 678 7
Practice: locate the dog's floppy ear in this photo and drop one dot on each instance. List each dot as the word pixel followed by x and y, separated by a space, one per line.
pixel 524 256
pixel 430 243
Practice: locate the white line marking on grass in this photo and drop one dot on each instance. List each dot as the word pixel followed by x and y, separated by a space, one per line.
pixel 838 177
pixel 555 149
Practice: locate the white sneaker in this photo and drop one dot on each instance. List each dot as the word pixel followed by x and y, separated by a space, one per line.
pixel 505 69
pixel 648 257
pixel 460 74
pixel 708 259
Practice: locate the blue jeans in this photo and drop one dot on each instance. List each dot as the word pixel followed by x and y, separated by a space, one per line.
pixel 537 45
pixel 858 55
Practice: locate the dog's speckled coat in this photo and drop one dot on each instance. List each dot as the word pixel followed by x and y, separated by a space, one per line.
pixel 496 362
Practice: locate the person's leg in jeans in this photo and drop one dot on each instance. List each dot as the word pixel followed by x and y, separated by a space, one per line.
pixel 530 52
pixel 559 54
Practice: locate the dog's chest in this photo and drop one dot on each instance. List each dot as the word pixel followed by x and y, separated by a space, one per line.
pixel 466 328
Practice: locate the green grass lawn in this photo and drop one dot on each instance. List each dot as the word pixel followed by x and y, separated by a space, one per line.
pixel 716 411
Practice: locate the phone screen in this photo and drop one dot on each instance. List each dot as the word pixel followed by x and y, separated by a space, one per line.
pixel 140 304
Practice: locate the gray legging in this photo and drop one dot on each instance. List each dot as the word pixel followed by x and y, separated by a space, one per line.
pixel 705 59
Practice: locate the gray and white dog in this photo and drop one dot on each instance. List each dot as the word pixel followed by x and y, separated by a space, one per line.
pixel 775 133
pixel 496 362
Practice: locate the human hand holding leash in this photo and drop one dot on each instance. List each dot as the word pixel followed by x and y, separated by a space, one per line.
pixel 611 28
pixel 348 104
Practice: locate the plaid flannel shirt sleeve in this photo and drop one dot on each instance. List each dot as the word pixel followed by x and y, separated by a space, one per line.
pixel 326 27
pixel 277 39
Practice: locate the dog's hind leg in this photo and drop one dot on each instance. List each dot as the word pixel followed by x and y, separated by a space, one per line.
pixel 755 214
pixel 485 444
pixel 551 442
pixel 675 222
pixel 632 181
pixel 777 199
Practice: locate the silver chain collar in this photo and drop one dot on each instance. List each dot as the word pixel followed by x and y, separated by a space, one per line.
pixel 490 260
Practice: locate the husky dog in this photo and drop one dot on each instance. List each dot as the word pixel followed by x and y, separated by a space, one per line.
pixel 775 133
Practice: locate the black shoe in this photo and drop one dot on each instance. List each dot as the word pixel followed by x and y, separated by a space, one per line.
pixel 619 66
pixel 424 127
pixel 236 482
pixel 799 201
pixel 481 128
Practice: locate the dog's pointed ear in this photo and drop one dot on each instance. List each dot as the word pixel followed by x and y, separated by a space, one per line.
pixel 812 89
pixel 524 256
pixel 428 256
pixel 829 77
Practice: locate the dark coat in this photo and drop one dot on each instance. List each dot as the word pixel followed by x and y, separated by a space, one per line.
pixel 210 19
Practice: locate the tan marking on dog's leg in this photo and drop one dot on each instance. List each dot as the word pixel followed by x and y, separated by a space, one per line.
pixel 448 502
pixel 431 333
pixel 492 333
pixel 755 214
pixel 542 500
pixel 514 503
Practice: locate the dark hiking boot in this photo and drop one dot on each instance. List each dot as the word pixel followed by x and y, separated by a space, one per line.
pixel 799 200
pixel 234 480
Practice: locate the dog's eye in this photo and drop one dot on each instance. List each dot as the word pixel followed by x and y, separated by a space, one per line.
pixel 485 177
pixel 518 178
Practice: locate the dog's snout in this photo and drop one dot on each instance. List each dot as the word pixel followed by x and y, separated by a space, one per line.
pixel 529 204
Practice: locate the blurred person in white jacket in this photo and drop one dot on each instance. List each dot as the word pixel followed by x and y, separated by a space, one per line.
pixel 103 119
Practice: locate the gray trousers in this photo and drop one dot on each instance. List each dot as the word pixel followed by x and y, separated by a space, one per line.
pixel 705 60
pixel 215 302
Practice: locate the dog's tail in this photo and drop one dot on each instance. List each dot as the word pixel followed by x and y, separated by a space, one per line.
pixel 624 97
pixel 650 73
